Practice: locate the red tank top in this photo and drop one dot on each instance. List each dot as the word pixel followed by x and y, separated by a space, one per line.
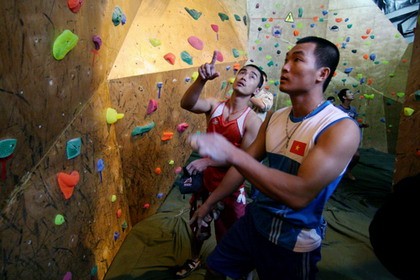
pixel 233 131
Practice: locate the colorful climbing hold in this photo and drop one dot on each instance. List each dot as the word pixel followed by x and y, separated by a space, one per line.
pixel 64 43
pixel 119 213
pixel 97 41
pixel 170 57
pixel 158 171
pixel 155 42
pixel 59 220
pixel 74 5
pixel 372 57
pixel 223 16
pixel 113 198
pixel 167 136
pixel 100 165
pixel 118 16
pixel 140 130
pixel 182 127
pixel 215 27
pixel 159 85
pixel 235 53
pixel 116 235
pixel 73 147
pixel 68 276
pixel 186 57
pixel 300 12
pixel 67 182
pixel 193 13
pixel 152 106
pixel 348 70
pixel 112 116
pixel 219 56
pixel 194 75
pixel 7 147
pixel 408 111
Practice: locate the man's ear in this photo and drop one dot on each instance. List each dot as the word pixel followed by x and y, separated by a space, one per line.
pixel 256 91
pixel 324 72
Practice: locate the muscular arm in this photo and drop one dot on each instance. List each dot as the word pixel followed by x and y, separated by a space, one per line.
pixel 191 100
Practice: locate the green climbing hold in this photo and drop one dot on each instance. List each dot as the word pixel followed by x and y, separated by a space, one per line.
pixel 235 53
pixel 59 220
pixel 155 42
pixel 64 43
pixel 223 16
pixel 140 130
pixel 186 57
pixel 73 147
pixel 118 16
pixel 237 18
pixel 195 14
pixel 7 147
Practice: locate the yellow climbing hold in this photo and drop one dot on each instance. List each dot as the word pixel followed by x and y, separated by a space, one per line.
pixel 408 111
pixel 112 116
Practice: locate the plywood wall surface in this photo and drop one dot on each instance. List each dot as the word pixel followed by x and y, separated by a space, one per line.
pixel 162 27
pixel 143 154
pixel 408 142
pixel 33 245
pixel 39 95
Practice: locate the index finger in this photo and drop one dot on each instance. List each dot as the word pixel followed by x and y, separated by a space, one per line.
pixel 214 58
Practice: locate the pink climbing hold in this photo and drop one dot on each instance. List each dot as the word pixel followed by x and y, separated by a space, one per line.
pixel 74 5
pixel 181 127
pixel 152 106
pixel 196 43
pixel 215 27
pixel 170 57
pixel 219 56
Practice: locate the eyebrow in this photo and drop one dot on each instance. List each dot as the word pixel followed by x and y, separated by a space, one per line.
pixel 252 71
pixel 295 52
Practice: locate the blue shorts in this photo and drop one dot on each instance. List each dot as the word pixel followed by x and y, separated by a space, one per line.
pixel 243 249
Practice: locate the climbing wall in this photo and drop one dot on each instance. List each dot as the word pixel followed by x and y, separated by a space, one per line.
pixel 89 145
pixel 408 143
pixel 373 55
pixel 91 131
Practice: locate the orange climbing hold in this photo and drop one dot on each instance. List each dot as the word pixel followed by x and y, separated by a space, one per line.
pixel 74 5
pixel 170 57
pixel 167 136
pixel 67 182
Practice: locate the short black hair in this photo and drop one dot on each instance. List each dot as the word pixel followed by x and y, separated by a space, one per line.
pixel 342 93
pixel 263 75
pixel 332 98
pixel 326 53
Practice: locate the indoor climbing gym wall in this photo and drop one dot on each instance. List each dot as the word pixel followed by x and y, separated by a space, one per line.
pixel 91 132
pixel 374 56
pixel 408 144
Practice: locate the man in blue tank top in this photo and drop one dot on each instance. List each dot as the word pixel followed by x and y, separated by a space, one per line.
pixel 281 232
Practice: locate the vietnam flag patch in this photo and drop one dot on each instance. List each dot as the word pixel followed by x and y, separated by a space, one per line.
pixel 298 148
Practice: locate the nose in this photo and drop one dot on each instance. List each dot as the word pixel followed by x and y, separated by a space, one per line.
pixel 285 67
